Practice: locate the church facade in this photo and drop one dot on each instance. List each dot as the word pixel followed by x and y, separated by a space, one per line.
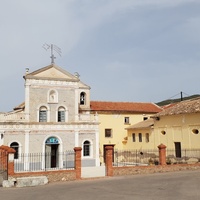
pixel 55 117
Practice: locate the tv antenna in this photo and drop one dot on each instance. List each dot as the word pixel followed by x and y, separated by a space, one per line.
pixel 53 48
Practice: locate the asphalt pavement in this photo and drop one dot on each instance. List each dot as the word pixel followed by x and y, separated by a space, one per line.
pixel 166 186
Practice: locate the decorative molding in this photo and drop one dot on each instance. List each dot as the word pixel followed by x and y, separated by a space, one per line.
pixel 51 82
pixel 47 127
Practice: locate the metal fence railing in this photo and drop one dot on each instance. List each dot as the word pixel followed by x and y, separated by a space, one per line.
pixel 184 156
pixel 44 161
pixel 136 157
pixel 148 157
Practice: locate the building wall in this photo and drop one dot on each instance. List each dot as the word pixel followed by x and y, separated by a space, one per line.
pixel 39 97
pixel 178 128
pixel 146 143
pixel 168 130
pixel 116 122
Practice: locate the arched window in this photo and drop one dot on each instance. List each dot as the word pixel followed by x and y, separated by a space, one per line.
pixel 147 137
pixel 61 114
pixel 15 146
pixel 82 98
pixel 140 137
pixel 43 114
pixel 86 148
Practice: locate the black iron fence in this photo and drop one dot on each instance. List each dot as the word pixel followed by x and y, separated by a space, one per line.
pixel 149 157
pixel 44 161
pixel 135 157
pixel 184 156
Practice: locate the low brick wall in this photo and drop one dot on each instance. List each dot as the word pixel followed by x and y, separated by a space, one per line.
pixel 52 176
pixel 121 171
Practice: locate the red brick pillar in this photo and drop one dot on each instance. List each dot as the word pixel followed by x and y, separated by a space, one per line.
pixel 3 159
pixel 109 160
pixel 162 154
pixel 78 162
pixel 8 158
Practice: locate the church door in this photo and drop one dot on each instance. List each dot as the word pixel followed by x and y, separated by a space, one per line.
pixel 51 153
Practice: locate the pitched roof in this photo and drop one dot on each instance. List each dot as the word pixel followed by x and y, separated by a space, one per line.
pixel 183 107
pixel 135 107
pixel 54 72
pixel 142 125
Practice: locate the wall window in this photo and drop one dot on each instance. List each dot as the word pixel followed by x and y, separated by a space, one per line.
pixel 15 146
pixel 126 120
pixel 43 114
pixel 133 137
pixel 147 137
pixel 195 131
pixel 82 98
pixel 140 137
pixel 145 118
pixel 61 114
pixel 163 132
pixel 108 132
pixel 86 148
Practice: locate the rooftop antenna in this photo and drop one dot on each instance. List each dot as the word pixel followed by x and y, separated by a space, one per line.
pixel 53 48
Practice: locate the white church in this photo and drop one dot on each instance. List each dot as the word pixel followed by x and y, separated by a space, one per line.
pixel 55 117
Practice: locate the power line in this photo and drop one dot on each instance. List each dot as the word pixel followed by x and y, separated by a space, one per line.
pixel 178 95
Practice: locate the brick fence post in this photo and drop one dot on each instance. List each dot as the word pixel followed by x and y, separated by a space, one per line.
pixel 8 159
pixel 162 154
pixel 3 159
pixel 78 161
pixel 109 160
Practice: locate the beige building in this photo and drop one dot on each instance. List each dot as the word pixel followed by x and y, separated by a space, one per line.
pixel 141 136
pixel 177 127
pixel 54 118
pixel 115 117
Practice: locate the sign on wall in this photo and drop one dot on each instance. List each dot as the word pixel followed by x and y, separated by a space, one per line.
pixel 52 140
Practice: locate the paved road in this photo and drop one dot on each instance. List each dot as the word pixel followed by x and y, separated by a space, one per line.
pixel 165 186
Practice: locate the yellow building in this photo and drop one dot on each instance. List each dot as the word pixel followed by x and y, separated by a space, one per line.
pixel 177 127
pixel 115 117
pixel 141 136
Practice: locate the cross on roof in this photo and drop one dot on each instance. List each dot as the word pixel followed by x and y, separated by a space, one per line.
pixel 53 48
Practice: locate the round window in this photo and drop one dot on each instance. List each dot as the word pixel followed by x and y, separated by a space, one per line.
pixel 195 131
pixel 163 132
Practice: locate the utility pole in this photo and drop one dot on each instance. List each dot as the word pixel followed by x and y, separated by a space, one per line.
pixel 181 96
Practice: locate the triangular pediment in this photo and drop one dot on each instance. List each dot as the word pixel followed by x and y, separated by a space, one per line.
pixel 51 72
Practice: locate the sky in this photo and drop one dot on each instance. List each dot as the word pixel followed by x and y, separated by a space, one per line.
pixel 125 50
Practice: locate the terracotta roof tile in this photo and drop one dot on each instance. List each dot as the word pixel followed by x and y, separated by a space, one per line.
pixel 183 107
pixel 142 125
pixel 136 107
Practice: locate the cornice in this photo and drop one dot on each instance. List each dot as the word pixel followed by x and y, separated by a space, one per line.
pixel 48 127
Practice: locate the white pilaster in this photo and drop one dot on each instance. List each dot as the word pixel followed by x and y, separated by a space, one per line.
pixel 27 99
pixel 26 145
pixel 97 148
pixel 26 150
pixel 76 106
pixel 76 139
